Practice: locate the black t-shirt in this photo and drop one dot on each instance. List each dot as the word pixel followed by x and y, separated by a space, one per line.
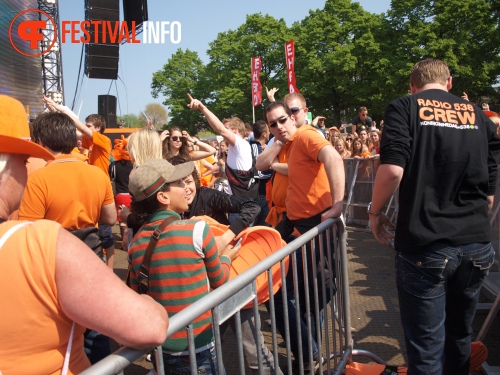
pixel 449 151
pixel 122 173
pixel 368 122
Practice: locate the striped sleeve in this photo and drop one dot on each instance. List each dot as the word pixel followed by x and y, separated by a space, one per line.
pixel 217 271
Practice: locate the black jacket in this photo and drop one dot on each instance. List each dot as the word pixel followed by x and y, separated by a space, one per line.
pixel 217 205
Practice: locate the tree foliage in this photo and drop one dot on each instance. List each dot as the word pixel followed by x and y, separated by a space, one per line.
pixel 157 113
pixel 465 34
pixel 182 74
pixel 337 57
pixel 345 57
pixel 229 69
pixel 131 121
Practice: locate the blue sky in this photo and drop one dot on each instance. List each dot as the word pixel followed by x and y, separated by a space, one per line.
pixel 201 22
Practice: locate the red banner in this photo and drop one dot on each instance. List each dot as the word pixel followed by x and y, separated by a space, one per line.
pixel 290 66
pixel 256 85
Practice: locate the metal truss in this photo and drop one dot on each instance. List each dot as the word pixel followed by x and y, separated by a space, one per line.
pixel 52 72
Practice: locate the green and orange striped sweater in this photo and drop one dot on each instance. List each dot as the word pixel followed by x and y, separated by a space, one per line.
pixel 184 266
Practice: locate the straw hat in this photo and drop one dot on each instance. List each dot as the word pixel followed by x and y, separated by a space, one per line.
pixel 15 132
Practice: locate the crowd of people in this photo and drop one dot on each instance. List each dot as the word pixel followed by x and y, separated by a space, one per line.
pixel 282 172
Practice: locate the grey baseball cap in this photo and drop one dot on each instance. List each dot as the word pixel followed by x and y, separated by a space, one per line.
pixel 149 177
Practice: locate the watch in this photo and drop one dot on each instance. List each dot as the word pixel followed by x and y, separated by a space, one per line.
pixel 370 212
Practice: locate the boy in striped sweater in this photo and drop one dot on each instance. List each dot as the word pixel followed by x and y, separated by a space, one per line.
pixel 186 262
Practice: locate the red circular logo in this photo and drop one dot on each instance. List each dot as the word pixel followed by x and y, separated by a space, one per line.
pixel 31 31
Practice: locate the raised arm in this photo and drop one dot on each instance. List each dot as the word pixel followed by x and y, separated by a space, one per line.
pixel 88 293
pixel 205 150
pixel 213 121
pixel 316 120
pixel 54 107
pixel 270 93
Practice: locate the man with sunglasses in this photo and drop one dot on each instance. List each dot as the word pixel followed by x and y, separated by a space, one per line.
pixel 362 119
pixel 315 192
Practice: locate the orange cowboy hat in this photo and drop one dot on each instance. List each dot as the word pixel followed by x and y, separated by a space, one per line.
pixel 15 131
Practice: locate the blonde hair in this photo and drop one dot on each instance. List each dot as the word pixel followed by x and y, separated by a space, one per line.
pixel 429 71
pixel 235 123
pixel 144 145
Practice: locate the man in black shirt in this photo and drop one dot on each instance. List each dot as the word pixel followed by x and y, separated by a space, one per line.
pixel 362 119
pixel 442 152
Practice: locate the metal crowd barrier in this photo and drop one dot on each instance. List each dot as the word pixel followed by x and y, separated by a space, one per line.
pixel 360 178
pixel 334 336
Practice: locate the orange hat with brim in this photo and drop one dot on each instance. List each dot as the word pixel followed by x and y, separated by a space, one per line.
pixel 15 131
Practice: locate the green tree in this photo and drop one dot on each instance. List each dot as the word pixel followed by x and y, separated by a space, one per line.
pixel 131 121
pixel 182 74
pixel 230 59
pixel 157 113
pixel 465 34
pixel 337 58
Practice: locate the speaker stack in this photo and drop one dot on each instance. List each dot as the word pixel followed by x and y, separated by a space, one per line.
pixel 101 59
pixel 135 10
pixel 106 107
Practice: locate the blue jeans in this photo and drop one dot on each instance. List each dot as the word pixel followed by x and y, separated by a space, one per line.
pixel 302 226
pixel 264 211
pixel 438 292
pixel 96 346
pixel 179 365
pixel 293 309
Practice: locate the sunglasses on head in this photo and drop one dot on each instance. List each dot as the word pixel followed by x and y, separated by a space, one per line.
pixel 295 109
pixel 176 138
pixel 281 121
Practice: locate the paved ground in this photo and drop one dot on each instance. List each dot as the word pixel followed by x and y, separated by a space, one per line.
pixel 374 308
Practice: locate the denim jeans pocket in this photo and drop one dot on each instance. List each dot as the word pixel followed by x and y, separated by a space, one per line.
pixel 481 261
pixel 420 274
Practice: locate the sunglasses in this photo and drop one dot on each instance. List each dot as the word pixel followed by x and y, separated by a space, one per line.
pixel 349 140
pixel 281 121
pixel 176 138
pixel 295 109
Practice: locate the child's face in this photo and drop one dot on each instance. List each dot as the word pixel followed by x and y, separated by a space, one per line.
pixel 177 196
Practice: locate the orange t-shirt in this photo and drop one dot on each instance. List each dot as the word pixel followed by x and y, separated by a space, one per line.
pixel 278 193
pixel 32 165
pixel 34 330
pixel 205 180
pixel 99 150
pixel 308 187
pixel 67 191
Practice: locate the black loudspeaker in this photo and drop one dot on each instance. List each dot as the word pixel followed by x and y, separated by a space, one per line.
pixel 103 14
pixel 106 107
pixel 101 61
pixel 135 10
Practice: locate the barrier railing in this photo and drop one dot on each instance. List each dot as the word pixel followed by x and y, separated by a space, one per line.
pixel 323 249
pixel 360 178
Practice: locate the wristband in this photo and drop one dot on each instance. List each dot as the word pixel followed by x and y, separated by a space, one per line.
pixel 370 212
